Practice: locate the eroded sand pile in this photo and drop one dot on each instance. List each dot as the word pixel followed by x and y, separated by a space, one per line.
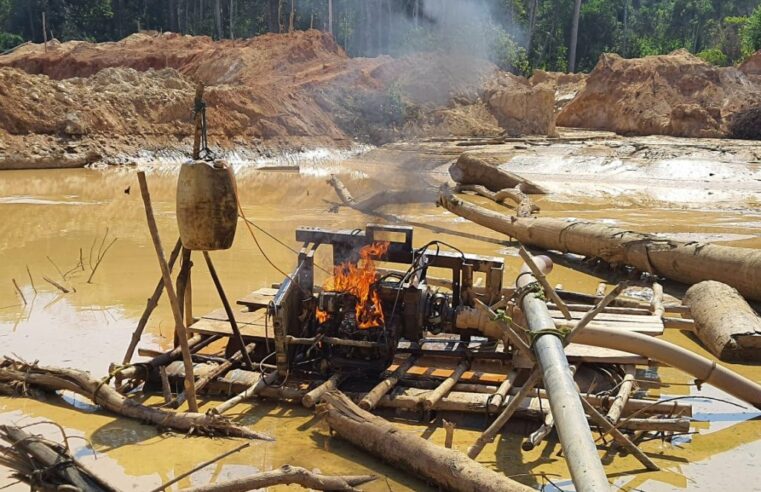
pixel 676 94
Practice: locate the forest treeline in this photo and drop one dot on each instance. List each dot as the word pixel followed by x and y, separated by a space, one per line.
pixel 518 35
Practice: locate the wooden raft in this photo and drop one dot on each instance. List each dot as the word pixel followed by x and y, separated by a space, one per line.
pixel 254 326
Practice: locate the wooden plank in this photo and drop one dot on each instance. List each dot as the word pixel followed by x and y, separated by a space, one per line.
pixel 588 354
pixel 645 329
pixel 251 324
pixel 614 317
pixel 258 298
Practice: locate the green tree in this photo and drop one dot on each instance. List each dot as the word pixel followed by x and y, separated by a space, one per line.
pixel 751 33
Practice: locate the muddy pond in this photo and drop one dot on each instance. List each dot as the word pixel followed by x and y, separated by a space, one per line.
pixel 53 224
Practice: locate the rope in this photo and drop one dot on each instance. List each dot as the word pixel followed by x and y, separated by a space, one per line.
pixel 205 152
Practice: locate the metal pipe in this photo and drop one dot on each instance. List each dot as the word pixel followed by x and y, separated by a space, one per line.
pixel 571 423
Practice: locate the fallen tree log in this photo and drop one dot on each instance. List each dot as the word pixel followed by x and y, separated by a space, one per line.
pixel 286 475
pixel 689 263
pixel 446 468
pixel 80 382
pixel 524 206
pixel 724 322
pixel 470 170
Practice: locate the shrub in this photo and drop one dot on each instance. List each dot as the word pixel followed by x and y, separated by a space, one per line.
pixel 714 56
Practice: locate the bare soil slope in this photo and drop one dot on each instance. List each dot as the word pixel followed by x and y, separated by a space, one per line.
pixel 676 94
pixel 270 92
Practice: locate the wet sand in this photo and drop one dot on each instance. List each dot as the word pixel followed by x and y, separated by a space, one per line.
pixel 56 213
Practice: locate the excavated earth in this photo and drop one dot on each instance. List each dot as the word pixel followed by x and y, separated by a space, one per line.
pixel 80 102
pixel 677 94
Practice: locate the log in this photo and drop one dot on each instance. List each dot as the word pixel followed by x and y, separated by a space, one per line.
pixel 471 170
pixel 447 468
pixel 311 398
pixel 689 263
pixel 250 392
pixel 49 460
pixel 445 387
pixel 286 475
pixel 624 393
pixel 524 206
pixel 512 405
pixel 179 325
pixel 724 322
pixel 372 398
pixel 80 382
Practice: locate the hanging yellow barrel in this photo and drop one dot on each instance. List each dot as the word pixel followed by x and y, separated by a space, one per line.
pixel 207 205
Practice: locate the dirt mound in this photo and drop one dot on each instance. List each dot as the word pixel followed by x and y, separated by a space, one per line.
pixel 520 108
pixel 565 85
pixel 676 94
pixel 752 66
pixel 287 90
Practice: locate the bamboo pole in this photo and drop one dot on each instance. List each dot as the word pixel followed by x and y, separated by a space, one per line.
pixel 446 386
pixel 689 263
pixel 372 398
pixel 624 392
pixel 153 301
pixel 179 326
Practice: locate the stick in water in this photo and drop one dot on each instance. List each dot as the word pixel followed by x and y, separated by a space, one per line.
pixel 179 325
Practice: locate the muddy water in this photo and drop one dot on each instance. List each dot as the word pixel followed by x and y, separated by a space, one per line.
pixel 49 216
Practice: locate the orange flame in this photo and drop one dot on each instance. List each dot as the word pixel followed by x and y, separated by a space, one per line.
pixel 357 280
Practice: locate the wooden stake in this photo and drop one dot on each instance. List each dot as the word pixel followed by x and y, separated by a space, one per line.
pixel 228 310
pixel 657 302
pixel 501 420
pixel 198 121
pixel 153 301
pixel 583 322
pixel 624 392
pixel 165 387
pixel 449 428
pixel 381 389
pixel 545 284
pixel 179 326
pixel 618 435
